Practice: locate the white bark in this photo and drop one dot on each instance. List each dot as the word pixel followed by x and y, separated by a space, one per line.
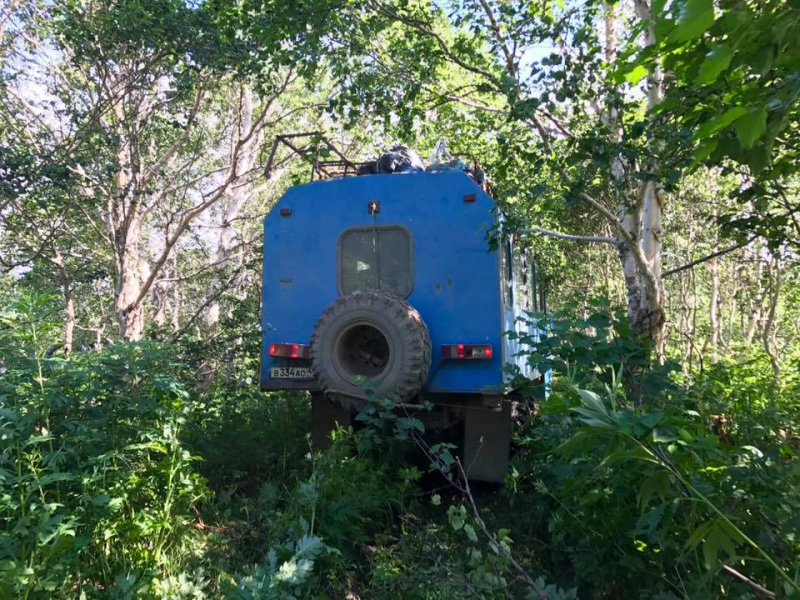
pixel 770 325
pixel 232 204
pixel 756 311
pixel 647 311
pixel 713 311
pixel 69 304
pixel 130 314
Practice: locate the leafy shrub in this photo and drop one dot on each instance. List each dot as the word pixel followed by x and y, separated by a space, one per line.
pixel 630 480
pixel 100 494
pixel 247 437
pixel 632 470
pixel 302 531
pixel 97 487
pixel 284 573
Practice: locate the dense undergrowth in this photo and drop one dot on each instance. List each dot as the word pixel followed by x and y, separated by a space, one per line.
pixel 118 479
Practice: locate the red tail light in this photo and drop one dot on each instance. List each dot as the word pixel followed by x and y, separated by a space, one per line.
pixel 290 350
pixel 467 351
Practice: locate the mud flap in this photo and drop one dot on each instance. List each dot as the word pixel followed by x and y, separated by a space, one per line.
pixel 487 443
pixel 326 416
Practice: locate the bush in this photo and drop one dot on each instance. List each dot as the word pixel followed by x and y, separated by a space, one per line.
pixel 247 437
pixel 337 502
pixel 649 484
pixel 100 494
pixel 97 487
pixel 631 480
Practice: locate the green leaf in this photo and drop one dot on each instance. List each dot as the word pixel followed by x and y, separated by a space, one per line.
pixel 694 18
pixel 719 122
pixel 636 75
pixel 699 534
pixel 651 419
pixel 716 540
pixel 37 439
pixel 598 423
pixel 592 400
pixel 657 483
pixel 470 531
pixel 704 150
pixel 588 412
pixel 614 457
pixel 580 442
pixel 53 477
pixel 309 544
pixel 664 26
pixel 457 517
pixel 751 126
pixel 717 60
pixel 664 433
pixel 763 59
pixel 758 159
pixel 9 414
pixel 736 536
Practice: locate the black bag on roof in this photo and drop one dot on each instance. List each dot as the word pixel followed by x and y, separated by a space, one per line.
pixel 400 159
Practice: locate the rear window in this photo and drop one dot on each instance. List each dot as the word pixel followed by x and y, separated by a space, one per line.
pixel 376 258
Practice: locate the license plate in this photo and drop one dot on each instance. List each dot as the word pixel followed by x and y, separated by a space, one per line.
pixel 290 373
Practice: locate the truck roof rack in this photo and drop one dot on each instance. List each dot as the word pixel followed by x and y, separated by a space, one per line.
pixel 476 168
pixel 326 160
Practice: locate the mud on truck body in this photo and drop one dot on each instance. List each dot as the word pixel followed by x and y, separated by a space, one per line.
pixel 387 283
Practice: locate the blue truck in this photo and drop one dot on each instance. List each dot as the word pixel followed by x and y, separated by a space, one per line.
pixel 385 286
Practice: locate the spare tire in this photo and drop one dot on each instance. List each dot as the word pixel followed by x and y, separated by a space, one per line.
pixel 371 340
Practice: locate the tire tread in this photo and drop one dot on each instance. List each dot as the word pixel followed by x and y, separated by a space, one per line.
pixel 416 339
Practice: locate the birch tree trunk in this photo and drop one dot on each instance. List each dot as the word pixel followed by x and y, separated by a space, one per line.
pixel 69 321
pixel 646 289
pixel 770 325
pixel 713 311
pixel 176 299
pixel 69 304
pixel 232 204
pixel 756 311
pixel 129 312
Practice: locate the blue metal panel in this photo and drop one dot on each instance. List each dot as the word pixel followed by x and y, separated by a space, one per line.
pixel 456 277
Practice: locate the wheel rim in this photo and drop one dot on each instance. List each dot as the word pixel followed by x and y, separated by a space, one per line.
pixel 362 351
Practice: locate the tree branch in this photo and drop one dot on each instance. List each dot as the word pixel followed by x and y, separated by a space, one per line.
pixel 699 261
pixel 510 66
pixel 747 581
pixel 496 546
pixel 173 149
pixel 571 238
pixel 426 28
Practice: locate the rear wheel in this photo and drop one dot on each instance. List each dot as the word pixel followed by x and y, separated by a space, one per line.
pixel 370 343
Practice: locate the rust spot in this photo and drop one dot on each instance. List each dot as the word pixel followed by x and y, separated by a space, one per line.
pixel 285 281
pixel 438 288
pixel 449 282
